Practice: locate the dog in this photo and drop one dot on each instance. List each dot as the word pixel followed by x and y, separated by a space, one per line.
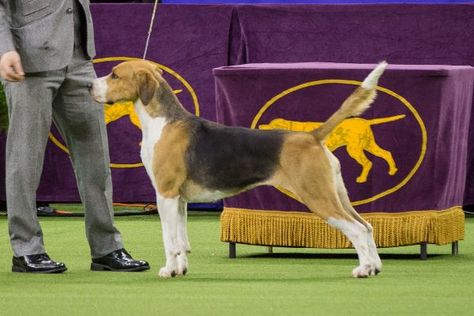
pixel 190 159
pixel 354 133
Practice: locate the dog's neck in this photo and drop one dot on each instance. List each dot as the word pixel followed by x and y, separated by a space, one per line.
pixel 165 104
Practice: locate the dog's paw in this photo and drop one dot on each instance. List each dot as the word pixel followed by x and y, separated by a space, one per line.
pixel 182 264
pixel 365 271
pixel 166 272
pixel 378 266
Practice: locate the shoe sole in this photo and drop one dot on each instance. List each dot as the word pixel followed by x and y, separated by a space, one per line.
pixel 101 267
pixel 20 269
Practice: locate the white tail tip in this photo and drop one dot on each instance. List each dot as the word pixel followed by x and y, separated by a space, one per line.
pixel 370 82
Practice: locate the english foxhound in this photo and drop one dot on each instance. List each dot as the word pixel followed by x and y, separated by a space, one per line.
pixel 190 159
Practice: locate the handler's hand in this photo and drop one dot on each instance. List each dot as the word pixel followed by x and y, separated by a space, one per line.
pixel 10 67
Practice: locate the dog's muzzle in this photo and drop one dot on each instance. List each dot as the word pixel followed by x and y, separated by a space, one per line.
pixel 98 90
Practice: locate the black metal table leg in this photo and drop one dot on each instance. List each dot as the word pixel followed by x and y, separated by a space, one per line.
pixel 423 251
pixel 455 248
pixel 232 250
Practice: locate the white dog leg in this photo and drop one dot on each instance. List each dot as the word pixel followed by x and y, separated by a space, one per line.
pixel 168 210
pixel 374 258
pixel 183 242
pixel 357 234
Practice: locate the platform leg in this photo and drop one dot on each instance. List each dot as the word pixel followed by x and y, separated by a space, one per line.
pixel 232 250
pixel 423 251
pixel 455 248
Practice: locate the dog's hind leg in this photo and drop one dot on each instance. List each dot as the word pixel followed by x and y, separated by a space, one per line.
pixel 316 184
pixel 351 228
pixel 168 210
pixel 346 203
pixel 183 242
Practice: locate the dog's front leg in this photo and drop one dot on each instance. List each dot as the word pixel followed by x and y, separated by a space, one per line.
pixel 168 210
pixel 183 242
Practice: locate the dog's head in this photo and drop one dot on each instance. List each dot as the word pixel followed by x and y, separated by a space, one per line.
pixel 128 81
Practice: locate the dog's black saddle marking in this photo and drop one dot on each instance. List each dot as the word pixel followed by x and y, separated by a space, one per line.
pixel 231 158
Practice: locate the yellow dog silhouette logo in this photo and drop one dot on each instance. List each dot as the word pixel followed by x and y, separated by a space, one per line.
pixel 358 138
pixel 354 133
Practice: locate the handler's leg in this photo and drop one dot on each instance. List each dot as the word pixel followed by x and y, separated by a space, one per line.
pixel 80 121
pixel 29 105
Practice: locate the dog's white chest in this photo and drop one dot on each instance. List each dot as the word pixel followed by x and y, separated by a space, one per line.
pixel 152 128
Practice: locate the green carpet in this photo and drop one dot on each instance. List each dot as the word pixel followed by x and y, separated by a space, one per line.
pixel 289 282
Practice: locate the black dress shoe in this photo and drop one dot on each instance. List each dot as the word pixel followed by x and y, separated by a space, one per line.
pixel 40 263
pixel 119 260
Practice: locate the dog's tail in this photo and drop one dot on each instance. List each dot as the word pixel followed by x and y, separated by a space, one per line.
pixel 359 101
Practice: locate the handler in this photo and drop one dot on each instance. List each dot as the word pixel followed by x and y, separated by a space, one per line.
pixel 46 48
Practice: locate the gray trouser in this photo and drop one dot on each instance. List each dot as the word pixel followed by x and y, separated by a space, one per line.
pixel 60 96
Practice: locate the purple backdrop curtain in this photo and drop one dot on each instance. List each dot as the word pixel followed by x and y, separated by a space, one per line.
pixel 311 1
pixel 424 124
pixel 401 34
pixel 191 40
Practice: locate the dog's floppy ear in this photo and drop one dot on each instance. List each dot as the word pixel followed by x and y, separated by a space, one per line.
pixel 147 85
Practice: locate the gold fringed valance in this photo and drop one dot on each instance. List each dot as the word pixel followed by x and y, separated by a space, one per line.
pixel 300 229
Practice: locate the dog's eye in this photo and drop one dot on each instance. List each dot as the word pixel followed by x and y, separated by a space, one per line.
pixel 113 76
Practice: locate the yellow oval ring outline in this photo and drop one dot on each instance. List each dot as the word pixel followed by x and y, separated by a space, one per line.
pixel 55 141
pixel 424 134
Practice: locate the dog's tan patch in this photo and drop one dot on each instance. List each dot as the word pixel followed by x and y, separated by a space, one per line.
pixel 192 191
pixel 169 168
pixel 306 169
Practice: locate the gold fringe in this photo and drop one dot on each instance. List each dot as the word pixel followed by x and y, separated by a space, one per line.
pixel 299 229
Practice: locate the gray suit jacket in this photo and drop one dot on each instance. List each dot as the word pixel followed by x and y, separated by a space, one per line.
pixel 42 31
